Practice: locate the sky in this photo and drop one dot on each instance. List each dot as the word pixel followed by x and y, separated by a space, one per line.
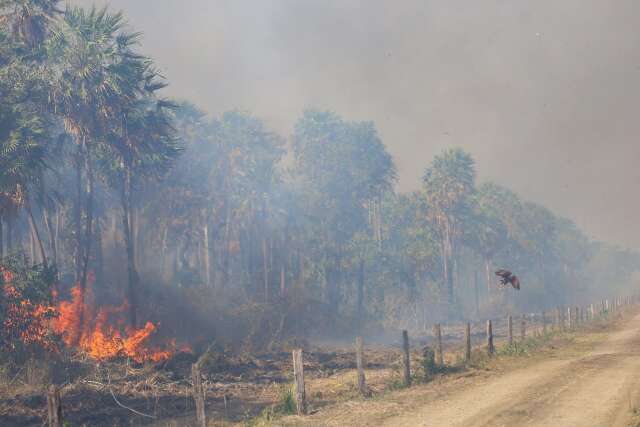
pixel 544 94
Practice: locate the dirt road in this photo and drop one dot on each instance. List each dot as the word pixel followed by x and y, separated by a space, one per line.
pixel 598 387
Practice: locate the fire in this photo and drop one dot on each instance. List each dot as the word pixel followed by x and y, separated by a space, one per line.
pixel 102 334
pixel 25 321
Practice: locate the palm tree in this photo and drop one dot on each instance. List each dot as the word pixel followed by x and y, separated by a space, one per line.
pixel 149 148
pixel 142 146
pixel 448 186
pixel 92 88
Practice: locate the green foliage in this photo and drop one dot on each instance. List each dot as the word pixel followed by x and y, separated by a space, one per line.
pixel 287 405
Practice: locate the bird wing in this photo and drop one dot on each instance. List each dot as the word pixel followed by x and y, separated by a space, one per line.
pixel 503 273
pixel 515 282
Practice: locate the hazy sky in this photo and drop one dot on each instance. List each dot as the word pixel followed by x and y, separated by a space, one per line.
pixel 543 93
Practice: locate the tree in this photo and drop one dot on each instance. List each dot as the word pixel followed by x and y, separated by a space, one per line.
pixel 448 187
pixel 143 148
pixel 97 79
pixel 341 167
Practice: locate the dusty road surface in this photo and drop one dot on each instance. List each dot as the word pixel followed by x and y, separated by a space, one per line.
pixel 596 385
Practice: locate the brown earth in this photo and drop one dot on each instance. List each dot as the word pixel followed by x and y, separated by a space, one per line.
pixel 593 380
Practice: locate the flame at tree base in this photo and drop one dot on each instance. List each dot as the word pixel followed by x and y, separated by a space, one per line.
pixel 102 334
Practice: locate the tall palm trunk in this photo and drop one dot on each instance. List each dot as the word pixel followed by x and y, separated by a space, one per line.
pixel 1 238
pixel 487 270
pixel 282 280
pixel 78 216
pixel 99 253
pixel 227 242
pixel 475 292
pixel 46 217
pixel 163 255
pixel 9 233
pixel 35 235
pixel 360 294
pixel 84 242
pixel 206 254
pixel 265 270
pixel 132 274
pixel 88 236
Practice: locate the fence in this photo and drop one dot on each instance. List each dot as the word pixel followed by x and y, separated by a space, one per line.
pixel 445 338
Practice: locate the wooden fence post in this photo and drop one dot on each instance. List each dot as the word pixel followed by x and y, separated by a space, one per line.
pixel 569 322
pixel 592 309
pixel 406 358
pixel 437 332
pixel 298 379
pixel 509 330
pixel 544 322
pixel 198 395
pixel 54 407
pixel 490 347
pixel 577 314
pixel 362 388
pixel 523 327
pixel 467 342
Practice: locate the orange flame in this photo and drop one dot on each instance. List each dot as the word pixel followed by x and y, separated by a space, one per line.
pixel 25 321
pixel 102 335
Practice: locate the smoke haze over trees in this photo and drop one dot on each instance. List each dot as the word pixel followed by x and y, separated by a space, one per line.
pixel 542 94
pixel 105 179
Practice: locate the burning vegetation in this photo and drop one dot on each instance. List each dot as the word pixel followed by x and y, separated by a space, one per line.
pixel 34 322
pixel 102 332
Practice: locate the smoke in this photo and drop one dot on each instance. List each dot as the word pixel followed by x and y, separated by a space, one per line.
pixel 544 94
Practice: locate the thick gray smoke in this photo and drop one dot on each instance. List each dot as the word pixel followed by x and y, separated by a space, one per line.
pixel 543 93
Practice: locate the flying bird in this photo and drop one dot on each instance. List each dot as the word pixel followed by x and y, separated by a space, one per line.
pixel 507 277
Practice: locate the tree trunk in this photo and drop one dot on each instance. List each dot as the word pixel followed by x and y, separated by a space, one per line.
pixel 265 270
pixel 132 275
pixel 35 235
pixel 487 268
pixel 78 216
pixel 46 217
pixel 32 253
pixel 475 291
pixel 207 254
pixel 56 234
pixel 88 225
pixel 9 233
pixel 163 254
pixel 282 280
pixel 99 254
pixel 227 253
pixel 1 239
pixel 360 295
